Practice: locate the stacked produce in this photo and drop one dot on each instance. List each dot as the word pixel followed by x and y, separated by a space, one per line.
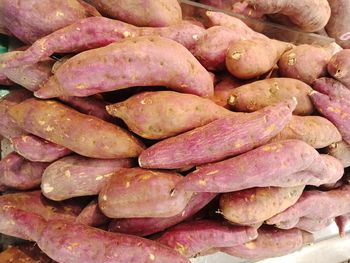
pixel 159 138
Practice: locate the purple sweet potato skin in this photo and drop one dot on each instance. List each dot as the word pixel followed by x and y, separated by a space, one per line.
pixel 219 139
pixel 90 137
pixel 313 225
pixel 31 204
pixel 336 111
pixel 272 162
pixel 88 105
pixel 36 149
pixel 95 32
pixel 338 25
pixel 195 237
pixel 91 215
pixel 19 173
pixel 61 178
pixel 140 12
pixel 271 242
pixel 259 94
pixel 315 204
pixel 341 151
pixel 292 63
pixel 142 193
pixel 28 76
pixel 8 128
pixel 251 58
pixel 339 67
pixel 255 205
pixel 314 130
pixel 162 114
pixel 26 21
pixel 332 88
pixel 148 226
pixel 71 243
pixel 140 63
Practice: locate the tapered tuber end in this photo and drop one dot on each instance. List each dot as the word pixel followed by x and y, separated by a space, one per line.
pixel 50 89
pixel 308 238
pixel 208 13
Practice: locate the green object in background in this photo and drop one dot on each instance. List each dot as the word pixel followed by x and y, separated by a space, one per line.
pixel 3 44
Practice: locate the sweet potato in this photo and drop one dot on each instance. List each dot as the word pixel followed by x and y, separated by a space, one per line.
pixel 8 128
pixel 141 13
pixel 34 204
pixel 223 90
pixel 315 204
pixel 148 226
pixel 32 19
pixel 20 174
pixel 142 193
pixel 341 151
pixel 314 130
pixel 162 114
pixel 296 12
pixel 28 76
pixel 313 225
pixel 95 32
pixel 338 25
pixel 36 149
pixel 336 111
pixel 195 237
pixel 27 253
pixel 219 139
pixel 247 59
pixel 292 63
pixel 255 205
pixel 90 136
pixel 271 242
pixel 332 88
pixel 74 176
pixel 272 162
pixel 88 105
pixel 262 93
pixel 338 67
pixel 342 221
pixel 174 67
pixel 71 243
pixel 91 215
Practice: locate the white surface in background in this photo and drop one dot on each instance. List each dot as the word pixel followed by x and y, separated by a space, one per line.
pixel 328 248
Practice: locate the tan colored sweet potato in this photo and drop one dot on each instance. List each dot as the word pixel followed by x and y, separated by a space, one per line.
pixel 223 90
pixel 219 139
pixel 341 151
pixel 259 94
pixel 140 63
pixel 195 237
pixel 148 226
pixel 142 193
pixel 36 149
pixel 141 13
pixel 90 136
pixel 247 59
pixel 162 114
pixel 271 242
pixel 74 176
pixel 253 206
pixel 292 63
pixel 19 173
pixel 8 128
pixel 314 130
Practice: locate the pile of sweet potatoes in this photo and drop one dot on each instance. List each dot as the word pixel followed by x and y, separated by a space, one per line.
pixel 141 134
